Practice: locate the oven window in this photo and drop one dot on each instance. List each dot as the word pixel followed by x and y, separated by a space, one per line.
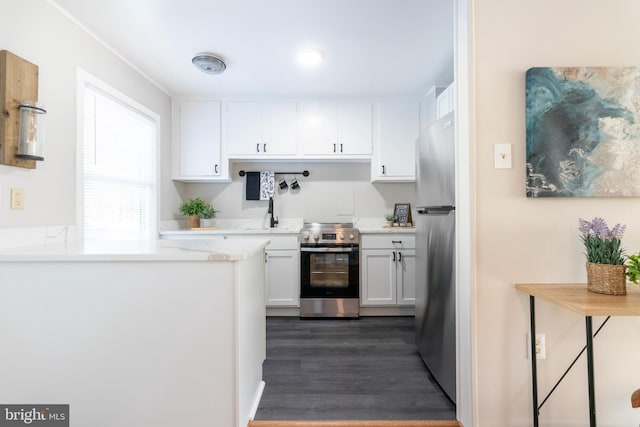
pixel 329 270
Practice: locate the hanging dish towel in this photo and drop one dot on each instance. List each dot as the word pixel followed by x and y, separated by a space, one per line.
pixel 253 186
pixel 267 184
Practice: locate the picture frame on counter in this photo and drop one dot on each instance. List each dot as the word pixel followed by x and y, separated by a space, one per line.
pixel 402 212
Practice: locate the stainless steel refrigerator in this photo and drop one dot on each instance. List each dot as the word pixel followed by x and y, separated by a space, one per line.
pixel 435 252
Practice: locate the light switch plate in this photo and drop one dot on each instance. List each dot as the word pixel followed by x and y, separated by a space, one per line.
pixel 502 156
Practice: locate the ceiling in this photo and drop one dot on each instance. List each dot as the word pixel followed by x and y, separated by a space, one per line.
pixel 371 47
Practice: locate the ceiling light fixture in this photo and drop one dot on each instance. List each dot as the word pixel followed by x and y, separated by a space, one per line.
pixel 209 63
pixel 310 57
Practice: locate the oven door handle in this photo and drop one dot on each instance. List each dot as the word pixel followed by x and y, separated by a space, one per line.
pixel 328 250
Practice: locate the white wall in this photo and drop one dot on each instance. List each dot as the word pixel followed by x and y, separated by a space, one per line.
pixel 333 191
pixel 522 240
pixel 36 31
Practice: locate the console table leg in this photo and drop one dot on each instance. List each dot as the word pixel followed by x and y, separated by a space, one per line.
pixel 592 397
pixel 534 361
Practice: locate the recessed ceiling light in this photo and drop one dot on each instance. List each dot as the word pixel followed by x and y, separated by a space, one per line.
pixel 209 63
pixel 310 57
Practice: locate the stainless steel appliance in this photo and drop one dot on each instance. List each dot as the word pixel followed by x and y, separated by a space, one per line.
pixel 329 270
pixel 435 250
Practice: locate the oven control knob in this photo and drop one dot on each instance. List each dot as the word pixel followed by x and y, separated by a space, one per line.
pixel 351 237
pixel 305 235
pixel 316 236
pixel 341 236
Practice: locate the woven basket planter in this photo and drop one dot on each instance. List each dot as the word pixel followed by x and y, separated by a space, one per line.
pixel 607 278
pixel 194 221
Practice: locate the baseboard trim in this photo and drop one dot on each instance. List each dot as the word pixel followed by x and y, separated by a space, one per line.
pixel 256 400
pixel 356 423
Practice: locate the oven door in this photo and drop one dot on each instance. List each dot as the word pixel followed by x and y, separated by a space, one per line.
pixel 329 271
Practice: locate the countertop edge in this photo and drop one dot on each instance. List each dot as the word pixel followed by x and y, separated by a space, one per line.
pixel 160 251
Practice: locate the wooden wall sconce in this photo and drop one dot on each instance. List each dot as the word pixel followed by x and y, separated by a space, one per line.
pixel 18 83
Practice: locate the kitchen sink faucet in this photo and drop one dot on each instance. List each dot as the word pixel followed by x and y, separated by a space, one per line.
pixel 274 221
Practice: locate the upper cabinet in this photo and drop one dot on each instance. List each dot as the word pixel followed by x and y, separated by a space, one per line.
pixel 197 148
pixel 398 127
pixel 259 129
pixel 445 102
pixel 340 128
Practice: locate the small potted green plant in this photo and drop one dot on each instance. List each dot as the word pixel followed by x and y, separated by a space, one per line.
pixel 633 268
pixel 207 216
pixel 390 218
pixel 193 209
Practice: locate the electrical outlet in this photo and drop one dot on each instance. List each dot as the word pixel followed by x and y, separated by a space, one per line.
pixel 541 346
pixel 17 198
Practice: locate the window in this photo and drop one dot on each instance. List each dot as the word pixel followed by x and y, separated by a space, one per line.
pixel 119 164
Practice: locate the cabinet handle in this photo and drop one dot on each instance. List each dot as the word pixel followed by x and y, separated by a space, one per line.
pixel 264 148
pixel 258 148
pixel 399 256
pixel 383 171
pixel 394 256
pixel 334 148
pixel 396 241
pixel 341 148
pixel 215 168
pixel 266 257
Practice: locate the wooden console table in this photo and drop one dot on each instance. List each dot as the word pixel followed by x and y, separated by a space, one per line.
pixel 576 297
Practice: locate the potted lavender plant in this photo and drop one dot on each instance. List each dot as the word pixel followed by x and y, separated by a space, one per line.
pixel 606 272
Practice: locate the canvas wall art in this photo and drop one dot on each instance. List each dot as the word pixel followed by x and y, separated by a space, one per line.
pixel 583 132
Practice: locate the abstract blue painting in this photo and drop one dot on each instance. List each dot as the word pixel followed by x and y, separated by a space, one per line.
pixel 583 132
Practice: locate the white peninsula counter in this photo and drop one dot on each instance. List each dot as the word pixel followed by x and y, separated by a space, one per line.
pixel 152 334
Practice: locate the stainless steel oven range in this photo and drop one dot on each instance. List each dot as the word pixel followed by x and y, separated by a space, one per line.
pixel 329 270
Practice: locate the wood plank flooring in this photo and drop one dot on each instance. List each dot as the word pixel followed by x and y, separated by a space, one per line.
pixel 365 369
pixel 355 423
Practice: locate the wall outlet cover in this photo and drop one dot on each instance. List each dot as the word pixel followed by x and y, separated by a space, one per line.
pixel 17 198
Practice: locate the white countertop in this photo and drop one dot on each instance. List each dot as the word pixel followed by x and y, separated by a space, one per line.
pixel 145 250
pixel 286 226
pixel 387 230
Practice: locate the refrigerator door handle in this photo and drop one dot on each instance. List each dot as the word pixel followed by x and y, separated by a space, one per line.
pixel 435 210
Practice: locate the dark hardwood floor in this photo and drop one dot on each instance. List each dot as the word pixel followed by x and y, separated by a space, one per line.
pixel 365 369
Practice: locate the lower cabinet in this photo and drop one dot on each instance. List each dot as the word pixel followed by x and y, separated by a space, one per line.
pixel 282 264
pixel 282 278
pixel 388 273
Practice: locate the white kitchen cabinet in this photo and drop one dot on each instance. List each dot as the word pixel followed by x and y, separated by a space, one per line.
pixel 258 129
pixel 335 129
pixel 398 127
pixel 282 272
pixel 445 102
pixel 388 270
pixel 282 278
pixel 282 263
pixel 406 277
pixel 197 149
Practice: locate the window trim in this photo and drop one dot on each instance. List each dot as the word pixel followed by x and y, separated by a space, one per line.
pixel 83 80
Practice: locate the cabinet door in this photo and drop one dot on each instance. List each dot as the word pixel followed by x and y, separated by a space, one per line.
pixel 242 128
pixel 398 129
pixel 282 278
pixel 378 277
pixel 279 128
pixel 197 149
pixel 318 128
pixel 445 102
pixel 354 128
pixel 406 277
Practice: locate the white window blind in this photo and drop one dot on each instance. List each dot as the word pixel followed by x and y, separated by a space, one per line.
pixel 119 177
